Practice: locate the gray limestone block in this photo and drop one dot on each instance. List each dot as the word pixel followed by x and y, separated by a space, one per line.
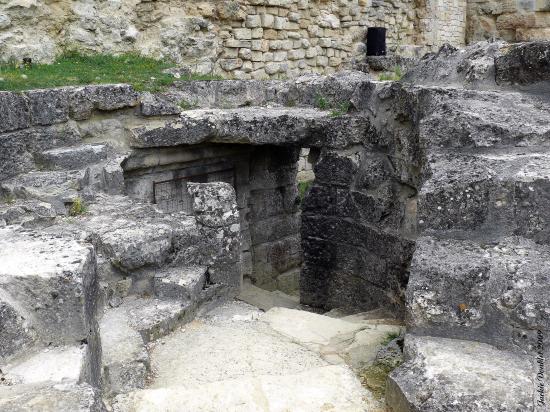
pixel 274 228
pixel 106 176
pixel 18 148
pixel 266 203
pixel 446 375
pixel 308 89
pixel 53 277
pixel 124 357
pixel 215 204
pixel 478 119
pixel 502 191
pixel 131 245
pixel 159 105
pixel 84 100
pixel 154 318
pixel 14 157
pixel 180 283
pixel 16 333
pixel 48 397
pixel 74 157
pixel 473 66
pixel 524 64
pixel 307 127
pixel 56 187
pixel 14 111
pixel 48 106
pixel 493 291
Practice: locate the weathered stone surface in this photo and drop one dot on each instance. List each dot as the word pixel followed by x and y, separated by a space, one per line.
pixel 58 364
pixel 499 191
pixel 48 106
pixel 493 291
pixel 84 100
pixel 180 283
pixel 473 67
pixel 524 64
pixel 14 112
pixel 53 278
pixel 154 318
pixel 50 397
pixel 332 385
pixel 16 333
pixel 130 245
pixel 124 358
pixel 278 126
pixel 454 375
pixel 74 157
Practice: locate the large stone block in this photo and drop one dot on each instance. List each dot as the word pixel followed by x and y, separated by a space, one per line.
pixel 14 111
pixel 446 375
pixel 53 278
pixel 524 64
pixel 493 291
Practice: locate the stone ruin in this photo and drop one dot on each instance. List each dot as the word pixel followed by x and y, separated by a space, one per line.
pixel 124 217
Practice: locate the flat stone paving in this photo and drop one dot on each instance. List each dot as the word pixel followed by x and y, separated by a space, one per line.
pixel 233 359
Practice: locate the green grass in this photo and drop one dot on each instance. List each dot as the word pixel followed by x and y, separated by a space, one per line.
pixel 389 337
pixel 71 69
pixel 303 187
pixel 340 109
pixel 374 378
pixel 321 102
pixel 394 75
pixel 78 207
pixel 185 105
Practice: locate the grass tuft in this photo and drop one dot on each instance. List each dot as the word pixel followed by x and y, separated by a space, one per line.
pixel 303 188
pixel 395 75
pixel 341 109
pixel 74 68
pixel 78 207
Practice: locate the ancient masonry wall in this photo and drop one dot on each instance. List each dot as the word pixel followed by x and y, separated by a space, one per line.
pixel 265 181
pixel 511 20
pixel 237 39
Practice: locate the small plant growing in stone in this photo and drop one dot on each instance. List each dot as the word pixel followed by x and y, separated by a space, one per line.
pixel 78 207
pixel 341 109
pixel 8 199
pixel 185 105
pixel 321 102
pixel 394 75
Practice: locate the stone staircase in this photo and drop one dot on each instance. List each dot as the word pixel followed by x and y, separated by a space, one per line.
pixel 477 297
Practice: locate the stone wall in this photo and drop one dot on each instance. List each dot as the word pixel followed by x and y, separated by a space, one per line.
pixel 510 20
pixel 234 38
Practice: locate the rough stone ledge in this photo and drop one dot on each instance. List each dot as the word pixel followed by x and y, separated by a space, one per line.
pixel 306 127
pixel 19 110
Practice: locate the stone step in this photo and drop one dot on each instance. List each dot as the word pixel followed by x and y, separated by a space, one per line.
pixel 74 157
pixel 154 318
pixel 125 361
pixel 488 290
pixel 180 283
pixel 49 397
pixel 57 187
pixel 463 376
pixel 331 388
pixel 254 125
pixel 503 191
pixel 64 364
pixel 52 278
pixel 458 118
